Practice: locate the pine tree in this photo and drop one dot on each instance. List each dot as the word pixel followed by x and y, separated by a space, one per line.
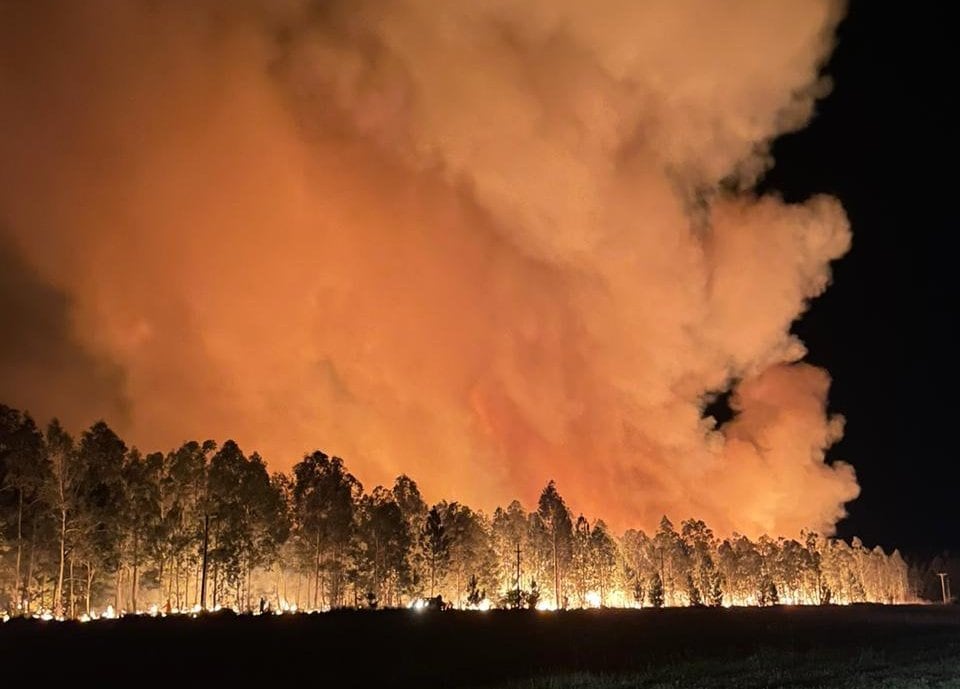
pixel 475 594
pixel 655 591
pixel 693 593
pixel 767 593
pixel 559 527
pixel 639 590
pixel 533 595
pixel 715 583
pixel 773 598
pixel 436 545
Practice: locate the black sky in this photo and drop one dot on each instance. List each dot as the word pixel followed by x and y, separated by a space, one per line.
pixel 885 330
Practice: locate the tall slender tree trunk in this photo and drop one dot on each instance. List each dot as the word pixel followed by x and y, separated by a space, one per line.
pixel 281 587
pixel 133 583
pixel 376 567
pixel 556 571
pixel 164 592
pixel 88 587
pixel 30 564
pixel 117 593
pixel 335 595
pixel 176 584
pixel 663 580
pixel 249 576
pixel 17 594
pixel 73 600
pixel 316 573
pixel 58 593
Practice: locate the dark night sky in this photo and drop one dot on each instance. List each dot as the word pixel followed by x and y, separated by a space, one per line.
pixel 885 329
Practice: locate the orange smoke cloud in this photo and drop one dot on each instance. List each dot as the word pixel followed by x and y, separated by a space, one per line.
pixel 485 244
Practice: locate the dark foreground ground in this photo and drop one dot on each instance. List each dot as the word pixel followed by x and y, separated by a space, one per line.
pixel 857 646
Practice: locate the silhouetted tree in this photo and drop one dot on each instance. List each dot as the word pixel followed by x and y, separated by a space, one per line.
pixel 133 524
pixel 24 471
pixel 639 590
pixel 508 531
pixel 324 495
pixel 414 510
pixel 475 594
pixel 471 551
pixel 382 546
pixel 62 496
pixel 533 595
pixel 603 560
pixel 184 503
pixel 556 521
pixel 672 561
pixel 436 546
pixel 767 593
pixel 715 588
pixel 655 590
pixel 140 518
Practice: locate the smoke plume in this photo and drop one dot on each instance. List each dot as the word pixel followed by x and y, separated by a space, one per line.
pixel 483 243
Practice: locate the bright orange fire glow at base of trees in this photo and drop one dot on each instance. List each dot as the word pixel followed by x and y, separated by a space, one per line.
pixel 92 525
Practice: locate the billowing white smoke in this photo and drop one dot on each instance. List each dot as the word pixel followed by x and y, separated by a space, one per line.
pixel 484 243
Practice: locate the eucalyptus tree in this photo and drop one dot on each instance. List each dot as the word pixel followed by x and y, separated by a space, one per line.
pixel 558 527
pixel 251 518
pixel 508 533
pixel 100 497
pixel 704 579
pixel 580 564
pixel 603 560
pixel 414 510
pixel 61 494
pixel 23 472
pixel 435 543
pixel 325 495
pixel 141 514
pixel 470 549
pixel 671 562
pixel 383 541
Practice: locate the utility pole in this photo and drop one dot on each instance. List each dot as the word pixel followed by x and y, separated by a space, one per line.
pixel 203 576
pixel 944 586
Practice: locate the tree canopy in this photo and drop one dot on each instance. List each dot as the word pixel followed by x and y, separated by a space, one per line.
pixel 91 522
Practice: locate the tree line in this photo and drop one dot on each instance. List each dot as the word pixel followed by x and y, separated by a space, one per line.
pixel 88 522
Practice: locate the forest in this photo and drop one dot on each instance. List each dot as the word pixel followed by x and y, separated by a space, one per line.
pixel 89 524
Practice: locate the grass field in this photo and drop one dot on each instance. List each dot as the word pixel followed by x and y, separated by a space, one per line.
pixel 855 646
